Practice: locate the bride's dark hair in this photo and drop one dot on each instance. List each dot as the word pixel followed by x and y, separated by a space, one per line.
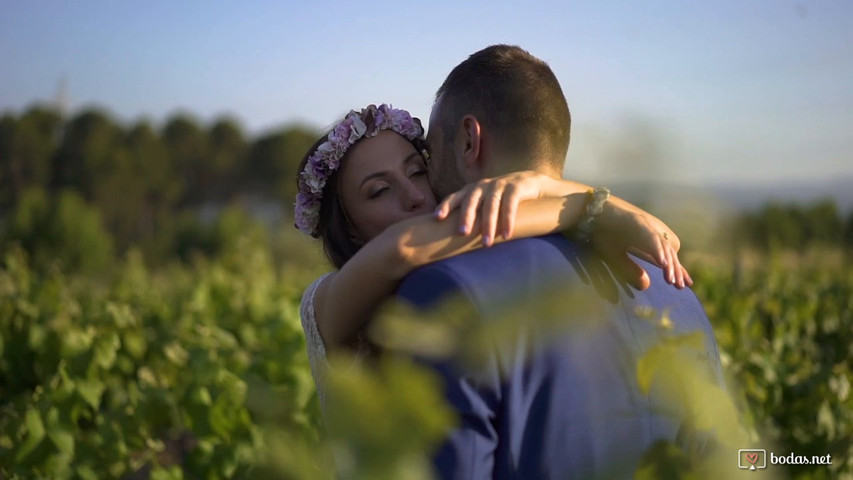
pixel 334 228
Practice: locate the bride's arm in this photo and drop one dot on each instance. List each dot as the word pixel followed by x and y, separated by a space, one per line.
pixel 487 197
pixel 350 297
pixel 347 299
pixel 493 201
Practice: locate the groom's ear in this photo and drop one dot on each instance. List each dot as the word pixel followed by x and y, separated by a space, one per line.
pixel 471 147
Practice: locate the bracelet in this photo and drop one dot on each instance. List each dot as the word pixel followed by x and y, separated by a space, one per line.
pixel 595 199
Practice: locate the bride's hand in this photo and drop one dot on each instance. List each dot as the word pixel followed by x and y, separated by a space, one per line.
pixel 619 231
pixel 497 200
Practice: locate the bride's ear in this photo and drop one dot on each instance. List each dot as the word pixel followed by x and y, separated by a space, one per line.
pixel 469 143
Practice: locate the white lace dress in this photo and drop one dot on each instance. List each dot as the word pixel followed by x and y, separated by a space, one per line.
pixel 315 345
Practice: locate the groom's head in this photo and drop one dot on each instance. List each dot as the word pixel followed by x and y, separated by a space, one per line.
pixel 501 110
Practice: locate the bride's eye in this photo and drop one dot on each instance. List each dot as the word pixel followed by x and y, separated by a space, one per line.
pixel 377 192
pixel 416 169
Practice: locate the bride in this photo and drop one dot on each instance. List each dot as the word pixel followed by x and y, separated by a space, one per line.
pixel 364 192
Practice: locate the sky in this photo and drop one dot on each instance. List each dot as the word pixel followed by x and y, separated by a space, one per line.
pixel 734 91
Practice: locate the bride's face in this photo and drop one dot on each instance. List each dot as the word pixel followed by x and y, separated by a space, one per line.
pixel 383 180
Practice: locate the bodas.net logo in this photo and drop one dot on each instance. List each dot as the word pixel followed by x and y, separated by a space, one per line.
pixel 752 458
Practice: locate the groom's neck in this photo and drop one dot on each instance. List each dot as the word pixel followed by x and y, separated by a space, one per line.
pixel 500 163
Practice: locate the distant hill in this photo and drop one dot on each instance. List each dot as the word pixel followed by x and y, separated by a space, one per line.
pixel 700 214
pixel 740 197
pixel 752 197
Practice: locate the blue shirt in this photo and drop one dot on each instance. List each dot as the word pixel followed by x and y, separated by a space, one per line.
pixel 555 394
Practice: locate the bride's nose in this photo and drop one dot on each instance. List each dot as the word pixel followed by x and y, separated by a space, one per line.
pixel 413 197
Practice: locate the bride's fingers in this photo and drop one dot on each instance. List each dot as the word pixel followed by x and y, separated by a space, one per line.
pixel 687 277
pixel 682 277
pixel 452 201
pixel 643 255
pixel 468 210
pixel 651 247
pixel 660 253
pixel 678 270
pixel 628 270
pixel 653 252
pixel 668 275
pixel 491 208
pixel 444 207
pixel 509 209
pixel 447 205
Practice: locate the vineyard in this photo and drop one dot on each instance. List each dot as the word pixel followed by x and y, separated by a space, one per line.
pixel 199 370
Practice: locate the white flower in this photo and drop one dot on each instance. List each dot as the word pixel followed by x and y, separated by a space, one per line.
pixel 325 147
pixel 315 183
pixel 311 210
pixel 358 128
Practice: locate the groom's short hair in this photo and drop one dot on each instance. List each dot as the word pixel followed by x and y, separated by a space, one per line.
pixel 515 96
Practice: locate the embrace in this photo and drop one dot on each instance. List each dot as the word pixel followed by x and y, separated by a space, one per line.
pixel 478 210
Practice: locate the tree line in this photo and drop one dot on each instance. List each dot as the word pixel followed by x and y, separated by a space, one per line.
pixel 794 226
pixel 88 187
pixel 146 184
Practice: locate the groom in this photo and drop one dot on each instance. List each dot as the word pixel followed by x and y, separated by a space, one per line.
pixel 549 404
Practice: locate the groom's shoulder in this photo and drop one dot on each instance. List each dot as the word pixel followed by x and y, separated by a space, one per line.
pixel 531 254
pixel 474 273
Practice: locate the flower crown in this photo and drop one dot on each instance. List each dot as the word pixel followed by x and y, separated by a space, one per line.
pixel 327 158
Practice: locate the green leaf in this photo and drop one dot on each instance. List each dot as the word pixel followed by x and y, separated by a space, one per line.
pixel 34 433
pixel 658 361
pixel 91 391
pixel 648 367
pixel 176 353
pixel 105 350
pixel 826 421
pixel 172 473
pixel 76 341
pixel 134 344
pixel 63 440
pixel 59 434
pixel 85 472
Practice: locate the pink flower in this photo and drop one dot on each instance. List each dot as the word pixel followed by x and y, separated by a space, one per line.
pixel 340 133
pixel 307 213
pixel 380 118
